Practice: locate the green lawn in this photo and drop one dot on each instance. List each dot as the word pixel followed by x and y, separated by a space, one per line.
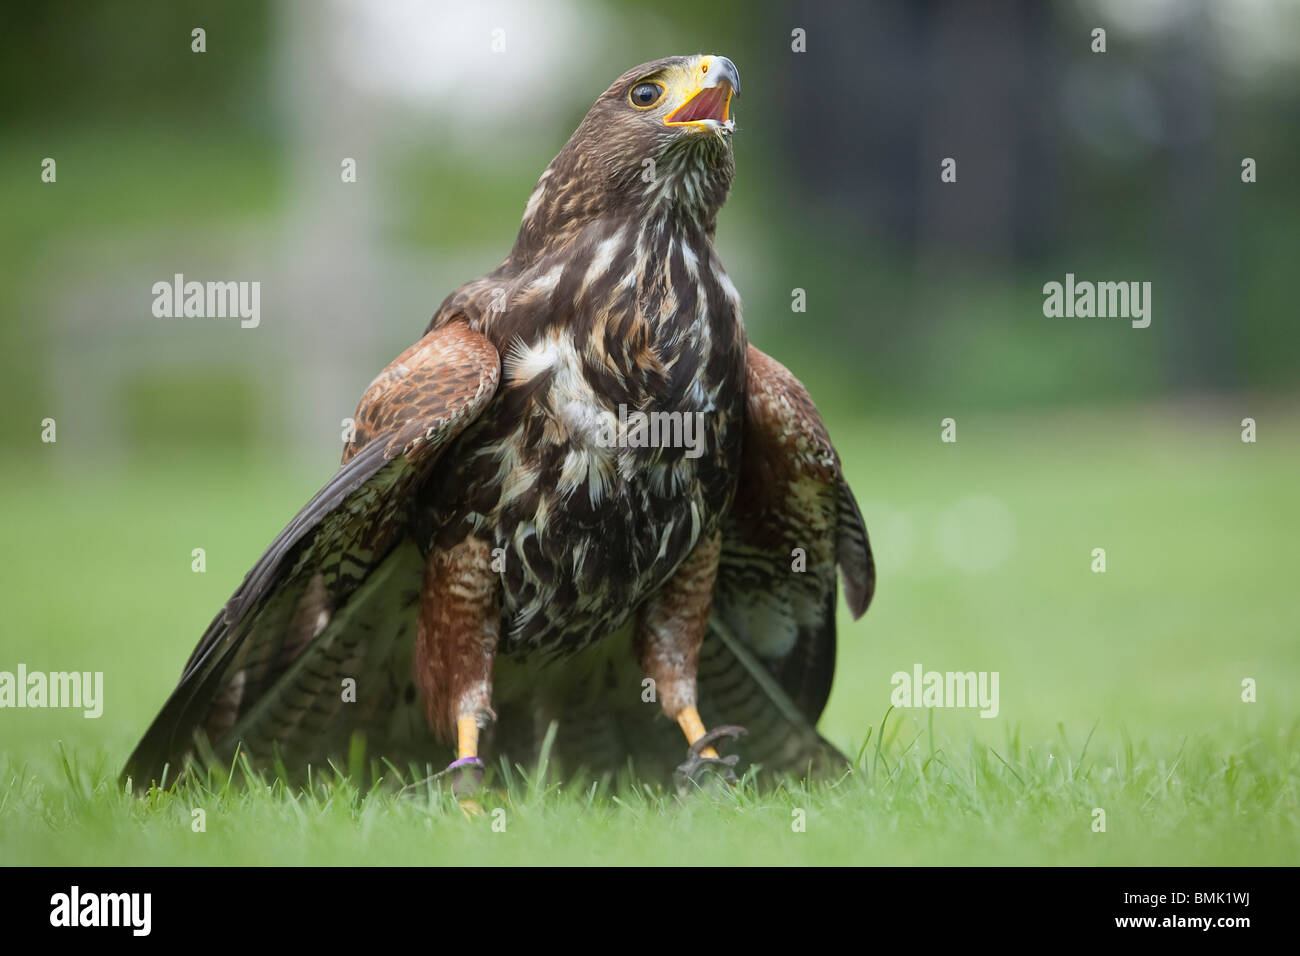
pixel 1118 691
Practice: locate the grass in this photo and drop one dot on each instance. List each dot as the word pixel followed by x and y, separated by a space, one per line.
pixel 1118 691
pixel 1225 801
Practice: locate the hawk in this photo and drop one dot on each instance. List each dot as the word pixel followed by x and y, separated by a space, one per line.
pixel 580 503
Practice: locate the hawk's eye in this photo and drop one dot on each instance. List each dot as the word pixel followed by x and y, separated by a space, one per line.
pixel 645 95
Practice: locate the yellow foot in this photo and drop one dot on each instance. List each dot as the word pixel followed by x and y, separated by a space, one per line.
pixel 693 728
pixel 702 760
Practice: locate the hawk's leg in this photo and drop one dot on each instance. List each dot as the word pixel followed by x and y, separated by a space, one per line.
pixel 455 647
pixel 669 633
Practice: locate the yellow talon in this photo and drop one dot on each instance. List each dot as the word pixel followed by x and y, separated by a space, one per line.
pixel 689 720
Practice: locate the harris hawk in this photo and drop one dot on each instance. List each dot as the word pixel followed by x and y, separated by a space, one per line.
pixel 575 505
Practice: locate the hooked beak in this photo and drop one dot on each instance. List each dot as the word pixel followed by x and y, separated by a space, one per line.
pixel 709 105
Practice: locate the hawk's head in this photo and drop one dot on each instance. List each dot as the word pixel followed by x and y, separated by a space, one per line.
pixel 657 142
pixel 678 102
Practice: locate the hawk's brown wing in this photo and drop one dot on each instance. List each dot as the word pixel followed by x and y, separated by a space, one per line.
pixel 769 658
pixel 322 603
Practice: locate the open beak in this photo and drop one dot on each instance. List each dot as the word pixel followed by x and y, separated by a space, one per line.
pixel 709 106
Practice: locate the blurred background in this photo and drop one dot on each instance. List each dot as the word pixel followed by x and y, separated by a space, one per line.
pixel 226 165
pixel 924 302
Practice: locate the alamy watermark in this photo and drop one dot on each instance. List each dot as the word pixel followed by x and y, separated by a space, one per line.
pixel 922 688
pixel 653 430
pixel 208 300
pixel 75 908
pixel 1102 300
pixel 53 689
